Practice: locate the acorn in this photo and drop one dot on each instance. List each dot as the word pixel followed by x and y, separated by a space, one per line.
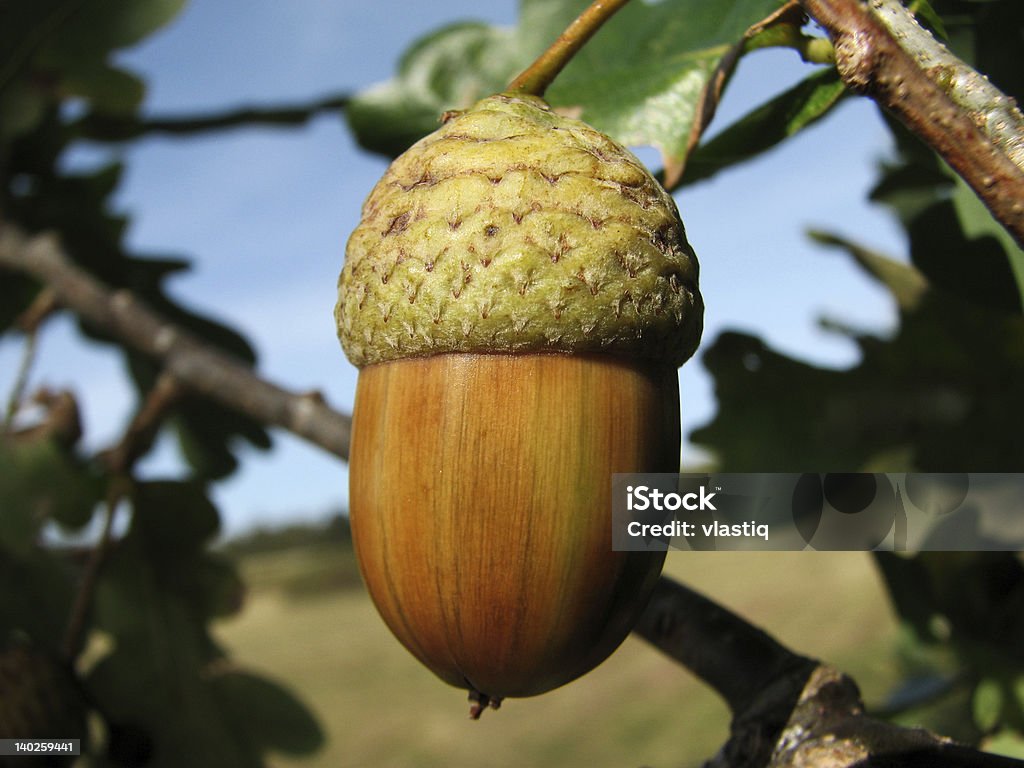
pixel 518 296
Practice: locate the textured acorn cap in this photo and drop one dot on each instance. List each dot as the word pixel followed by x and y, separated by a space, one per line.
pixel 514 229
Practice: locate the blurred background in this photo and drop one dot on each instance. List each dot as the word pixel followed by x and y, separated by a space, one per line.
pixel 264 212
pixel 228 616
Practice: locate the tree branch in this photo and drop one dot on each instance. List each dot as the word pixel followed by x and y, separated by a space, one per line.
pixel 111 128
pixel 789 711
pixel 869 42
pixel 203 370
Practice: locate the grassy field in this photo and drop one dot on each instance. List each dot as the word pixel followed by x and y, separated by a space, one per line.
pixel 309 624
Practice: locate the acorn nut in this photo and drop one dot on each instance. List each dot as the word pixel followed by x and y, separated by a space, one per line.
pixel 518 296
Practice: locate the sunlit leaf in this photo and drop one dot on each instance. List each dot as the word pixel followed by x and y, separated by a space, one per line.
pixel 448 69
pixel 639 79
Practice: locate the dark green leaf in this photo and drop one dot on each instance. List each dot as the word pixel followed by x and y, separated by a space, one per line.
pixel 978 225
pixel 86 30
pixel 768 125
pixel 167 683
pixel 40 482
pixel 905 283
pixel 50 49
pixel 910 591
pixel 109 89
pixel 924 12
pixel 953 239
pixel 41 605
pixel 174 519
pixel 22 106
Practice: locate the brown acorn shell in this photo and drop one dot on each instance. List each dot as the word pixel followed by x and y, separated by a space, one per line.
pixel 480 490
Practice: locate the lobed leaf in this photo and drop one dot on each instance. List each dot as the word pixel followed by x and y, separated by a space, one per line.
pixel 51 49
pixel 167 684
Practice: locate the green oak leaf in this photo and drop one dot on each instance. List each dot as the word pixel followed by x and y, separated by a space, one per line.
pixel 450 68
pixel 167 683
pixel 767 125
pixel 52 49
pixel 639 79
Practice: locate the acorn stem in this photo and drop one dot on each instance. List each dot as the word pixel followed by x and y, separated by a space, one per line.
pixel 478 702
pixel 536 78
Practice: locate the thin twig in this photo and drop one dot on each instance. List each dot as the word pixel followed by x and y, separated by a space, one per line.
pixel 137 439
pixel 872 62
pixel 989 108
pixel 17 394
pixel 42 307
pixel 536 78
pixel 707 104
pixel 29 321
pixel 139 435
pixel 100 127
pixel 78 620
pixel 194 364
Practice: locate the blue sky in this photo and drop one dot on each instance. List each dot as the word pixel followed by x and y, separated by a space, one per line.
pixel 265 214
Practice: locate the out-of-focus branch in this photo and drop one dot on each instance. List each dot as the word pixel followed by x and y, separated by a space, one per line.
pixel 110 128
pixel 136 441
pixel 195 365
pixel 44 305
pixel 138 437
pixel 789 711
pixel 878 56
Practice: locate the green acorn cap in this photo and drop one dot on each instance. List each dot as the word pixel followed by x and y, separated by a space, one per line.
pixel 514 229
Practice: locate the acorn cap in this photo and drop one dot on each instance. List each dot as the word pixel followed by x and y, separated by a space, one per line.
pixel 514 229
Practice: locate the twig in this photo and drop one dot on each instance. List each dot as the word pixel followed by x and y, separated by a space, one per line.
pixel 42 307
pixel 78 620
pixel 789 711
pixel 17 394
pixel 138 437
pixel 134 443
pixel 110 128
pixel 729 654
pixel 44 304
pixel 789 14
pixel 990 109
pixel 872 62
pixel 536 78
pixel 194 364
